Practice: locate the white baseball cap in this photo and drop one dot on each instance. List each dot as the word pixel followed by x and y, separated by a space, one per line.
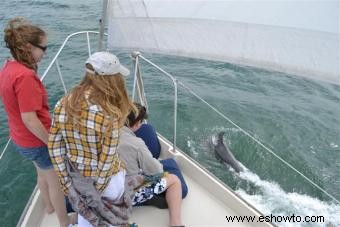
pixel 105 63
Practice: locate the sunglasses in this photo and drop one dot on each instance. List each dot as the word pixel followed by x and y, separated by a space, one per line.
pixel 43 48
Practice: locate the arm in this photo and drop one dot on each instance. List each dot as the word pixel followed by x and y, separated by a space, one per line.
pixel 34 125
pixel 147 163
pixel 108 160
pixel 57 150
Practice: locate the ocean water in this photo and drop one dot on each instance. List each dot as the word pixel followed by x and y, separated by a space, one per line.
pixel 298 119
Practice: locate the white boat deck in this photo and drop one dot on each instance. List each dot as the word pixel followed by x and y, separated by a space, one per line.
pixel 199 209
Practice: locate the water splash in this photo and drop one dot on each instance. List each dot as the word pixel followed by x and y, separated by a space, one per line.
pixel 274 200
pixel 192 148
pixel 333 145
pixel 214 140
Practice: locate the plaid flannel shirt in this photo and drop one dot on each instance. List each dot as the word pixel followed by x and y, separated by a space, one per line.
pixel 92 153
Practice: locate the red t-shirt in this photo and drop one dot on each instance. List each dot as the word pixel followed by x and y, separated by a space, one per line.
pixel 22 91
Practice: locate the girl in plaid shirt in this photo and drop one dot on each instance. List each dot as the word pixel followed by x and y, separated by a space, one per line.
pixel 85 127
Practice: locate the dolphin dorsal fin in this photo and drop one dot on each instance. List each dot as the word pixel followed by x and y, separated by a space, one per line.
pixel 220 137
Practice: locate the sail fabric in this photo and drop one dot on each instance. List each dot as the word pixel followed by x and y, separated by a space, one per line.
pixel 297 37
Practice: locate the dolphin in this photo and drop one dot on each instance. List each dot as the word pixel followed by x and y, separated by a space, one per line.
pixel 223 153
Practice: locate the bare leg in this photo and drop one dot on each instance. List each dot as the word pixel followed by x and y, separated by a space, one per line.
pixel 43 187
pixel 173 197
pixel 56 196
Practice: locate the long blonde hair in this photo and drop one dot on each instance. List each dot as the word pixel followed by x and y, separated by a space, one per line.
pixel 108 91
pixel 18 33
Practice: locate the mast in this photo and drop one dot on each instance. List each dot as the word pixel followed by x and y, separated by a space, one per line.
pixel 102 22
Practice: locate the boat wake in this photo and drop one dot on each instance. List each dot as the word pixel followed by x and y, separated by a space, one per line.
pixel 273 200
pixel 265 195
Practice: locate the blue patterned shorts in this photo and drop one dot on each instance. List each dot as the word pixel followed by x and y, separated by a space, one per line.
pixel 145 193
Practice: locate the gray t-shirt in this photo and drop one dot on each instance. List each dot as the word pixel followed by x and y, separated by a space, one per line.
pixel 136 155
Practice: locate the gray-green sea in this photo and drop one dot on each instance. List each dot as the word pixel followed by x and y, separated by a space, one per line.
pixel 295 117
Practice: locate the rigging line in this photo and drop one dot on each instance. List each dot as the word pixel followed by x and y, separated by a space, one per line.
pixel 146 9
pixel 259 142
pixel 3 151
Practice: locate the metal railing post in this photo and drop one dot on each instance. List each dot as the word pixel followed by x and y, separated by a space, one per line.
pixel 88 43
pixel 60 76
pixel 175 114
pixel 136 62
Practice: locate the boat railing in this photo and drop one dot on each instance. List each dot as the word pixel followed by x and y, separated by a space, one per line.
pixel 138 89
pixel 56 63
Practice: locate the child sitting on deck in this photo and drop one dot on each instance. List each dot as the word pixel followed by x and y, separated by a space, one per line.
pixel 148 134
pixel 138 159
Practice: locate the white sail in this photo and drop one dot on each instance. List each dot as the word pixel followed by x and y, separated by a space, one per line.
pixel 298 37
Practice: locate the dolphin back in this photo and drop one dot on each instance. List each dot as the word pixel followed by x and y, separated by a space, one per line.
pixel 225 154
pixel 220 136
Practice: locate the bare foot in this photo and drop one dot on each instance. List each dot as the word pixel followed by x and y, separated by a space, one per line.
pixel 49 209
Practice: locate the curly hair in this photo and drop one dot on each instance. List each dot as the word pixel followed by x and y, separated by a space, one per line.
pixel 18 33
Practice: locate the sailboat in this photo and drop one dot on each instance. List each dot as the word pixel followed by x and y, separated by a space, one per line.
pixel 209 32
